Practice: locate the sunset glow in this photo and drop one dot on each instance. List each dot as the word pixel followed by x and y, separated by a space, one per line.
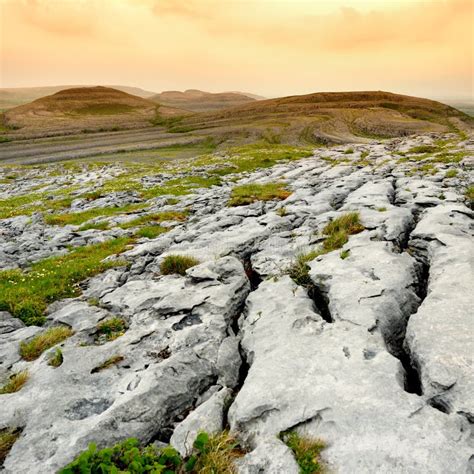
pixel 266 47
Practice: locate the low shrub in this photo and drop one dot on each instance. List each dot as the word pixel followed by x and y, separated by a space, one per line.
pixel 212 454
pixel 307 452
pixel 249 193
pixel 177 264
pixel 16 382
pixel 32 349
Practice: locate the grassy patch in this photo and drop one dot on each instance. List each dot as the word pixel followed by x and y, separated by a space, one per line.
pixel 344 254
pixel 114 360
pixel 212 454
pixel 381 209
pixel 451 174
pixel 469 195
pixel 8 438
pixel 110 329
pixel 56 358
pixel 423 149
pixel 16 382
pixel 177 264
pixel 249 193
pixel 27 294
pixel 348 151
pixel 77 218
pixel 32 349
pixel 155 218
pixel 307 452
pixel 150 231
pixel 96 226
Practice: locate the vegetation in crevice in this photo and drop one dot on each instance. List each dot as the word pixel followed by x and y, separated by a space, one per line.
pixel 248 193
pixel 15 382
pixel 211 454
pixel 110 329
pixel 307 452
pixel 33 348
pixel 177 264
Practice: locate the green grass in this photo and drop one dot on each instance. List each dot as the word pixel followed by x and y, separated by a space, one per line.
pixel 8 438
pixel 155 218
pixel 348 151
pixel 423 149
pixel 177 264
pixel 78 218
pixel 111 329
pixel 307 452
pixel 16 382
pixel 33 348
pixel 299 269
pixel 26 294
pixel 451 174
pixel 56 358
pixel 337 233
pixel 469 195
pixel 150 231
pixel 382 209
pixel 94 225
pixel 249 193
pixel 344 254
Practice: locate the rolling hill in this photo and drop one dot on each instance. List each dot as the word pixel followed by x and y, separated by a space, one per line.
pixel 199 101
pixel 86 108
pixel 333 117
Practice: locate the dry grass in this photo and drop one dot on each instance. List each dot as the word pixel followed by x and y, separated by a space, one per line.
pixel 114 360
pixel 8 438
pixel 177 264
pixel 219 454
pixel 249 193
pixel 32 349
pixel 16 382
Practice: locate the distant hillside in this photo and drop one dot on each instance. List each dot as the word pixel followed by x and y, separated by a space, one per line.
pixel 199 101
pixel 13 97
pixel 332 117
pixel 86 108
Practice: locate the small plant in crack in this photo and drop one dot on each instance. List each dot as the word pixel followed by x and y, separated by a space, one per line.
pixel 307 452
pixel 110 329
pixel 299 269
pixel 16 382
pixel 8 438
pixel 281 211
pixel 344 254
pixel 32 349
pixel 114 360
pixel 381 209
pixel 56 358
pixel 177 264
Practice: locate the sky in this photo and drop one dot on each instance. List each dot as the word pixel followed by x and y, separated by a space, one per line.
pixel 268 47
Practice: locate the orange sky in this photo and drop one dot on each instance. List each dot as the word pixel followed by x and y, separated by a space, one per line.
pixel 270 47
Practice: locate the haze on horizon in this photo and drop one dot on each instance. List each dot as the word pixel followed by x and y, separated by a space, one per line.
pixel 272 48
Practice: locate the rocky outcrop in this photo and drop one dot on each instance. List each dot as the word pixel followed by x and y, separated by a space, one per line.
pixel 372 353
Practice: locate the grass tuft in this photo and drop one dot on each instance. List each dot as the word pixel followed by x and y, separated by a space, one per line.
pixel 110 329
pixel 8 438
pixel 32 349
pixel 177 264
pixel 56 358
pixel 307 452
pixel 451 174
pixel 249 193
pixel 16 382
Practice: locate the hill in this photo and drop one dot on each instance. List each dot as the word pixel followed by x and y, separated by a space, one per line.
pixel 332 117
pixel 15 96
pixel 86 108
pixel 200 101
